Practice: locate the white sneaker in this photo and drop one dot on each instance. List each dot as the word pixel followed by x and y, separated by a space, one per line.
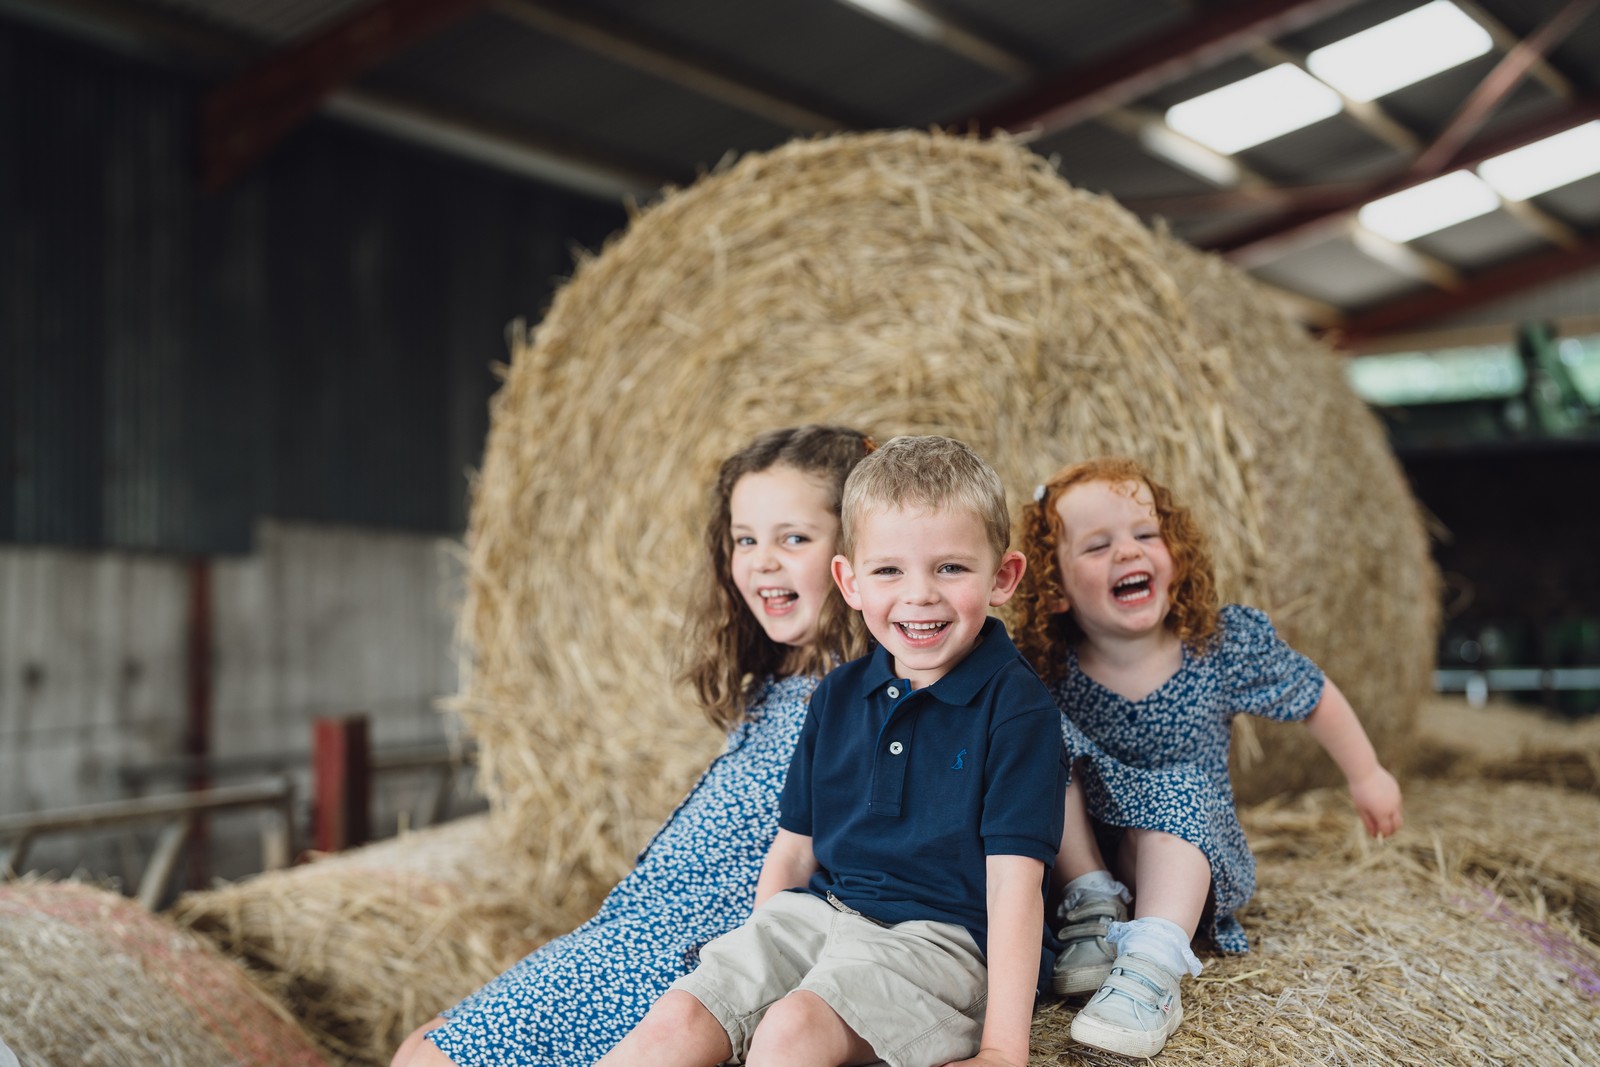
pixel 1086 957
pixel 1134 1011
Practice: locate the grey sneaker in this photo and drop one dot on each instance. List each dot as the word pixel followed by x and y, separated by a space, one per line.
pixel 1086 959
pixel 1134 1011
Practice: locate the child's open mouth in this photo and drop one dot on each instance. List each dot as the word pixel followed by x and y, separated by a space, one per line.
pixel 921 632
pixel 1132 589
pixel 777 601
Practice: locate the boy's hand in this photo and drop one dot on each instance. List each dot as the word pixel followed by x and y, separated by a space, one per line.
pixel 987 1057
pixel 1377 799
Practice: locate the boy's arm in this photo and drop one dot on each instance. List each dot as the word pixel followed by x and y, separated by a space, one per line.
pixel 1376 794
pixel 790 863
pixel 1016 921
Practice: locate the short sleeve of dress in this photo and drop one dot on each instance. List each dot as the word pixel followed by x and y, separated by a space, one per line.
pixel 1261 675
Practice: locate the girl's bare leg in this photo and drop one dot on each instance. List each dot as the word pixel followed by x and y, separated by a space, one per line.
pixel 1080 852
pixel 1170 877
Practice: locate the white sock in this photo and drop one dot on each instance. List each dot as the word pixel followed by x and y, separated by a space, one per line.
pixel 1160 939
pixel 1086 887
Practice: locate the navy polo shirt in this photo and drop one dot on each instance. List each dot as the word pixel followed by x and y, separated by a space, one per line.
pixel 905 792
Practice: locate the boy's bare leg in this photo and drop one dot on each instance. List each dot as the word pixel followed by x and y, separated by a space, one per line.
pixel 416 1052
pixel 801 1030
pixel 678 1031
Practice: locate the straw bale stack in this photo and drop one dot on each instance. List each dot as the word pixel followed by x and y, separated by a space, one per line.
pixel 90 978
pixel 1469 939
pixel 900 282
pixel 364 946
pixel 1507 742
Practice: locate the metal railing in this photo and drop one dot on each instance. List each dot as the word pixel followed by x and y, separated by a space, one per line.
pixel 177 813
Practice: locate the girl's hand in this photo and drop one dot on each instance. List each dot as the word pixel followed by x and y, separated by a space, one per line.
pixel 1377 799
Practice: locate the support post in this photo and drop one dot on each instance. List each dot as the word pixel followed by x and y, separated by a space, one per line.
pixel 341 782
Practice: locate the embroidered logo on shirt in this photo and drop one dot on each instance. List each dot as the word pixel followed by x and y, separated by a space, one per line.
pixel 960 760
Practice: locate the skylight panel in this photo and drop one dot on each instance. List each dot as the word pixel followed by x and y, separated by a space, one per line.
pixel 1417 45
pixel 1431 206
pixel 1255 109
pixel 1545 165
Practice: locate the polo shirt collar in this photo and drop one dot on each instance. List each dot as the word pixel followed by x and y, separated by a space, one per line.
pixel 963 683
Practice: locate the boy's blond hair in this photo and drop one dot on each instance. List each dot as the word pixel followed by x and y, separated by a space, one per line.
pixel 930 472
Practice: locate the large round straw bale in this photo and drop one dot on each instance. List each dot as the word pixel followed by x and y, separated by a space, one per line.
pixel 366 945
pixel 90 978
pixel 903 283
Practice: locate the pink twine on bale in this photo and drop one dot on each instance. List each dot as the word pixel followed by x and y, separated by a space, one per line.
pixel 1552 943
pixel 224 1004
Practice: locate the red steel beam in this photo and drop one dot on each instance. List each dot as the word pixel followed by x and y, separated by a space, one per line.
pixel 1492 284
pixel 1496 86
pixel 242 120
pixel 1204 40
pixel 1330 206
pixel 341 775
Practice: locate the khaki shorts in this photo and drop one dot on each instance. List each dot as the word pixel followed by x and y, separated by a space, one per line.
pixel 914 991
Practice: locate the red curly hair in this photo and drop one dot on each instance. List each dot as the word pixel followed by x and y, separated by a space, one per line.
pixel 1044 635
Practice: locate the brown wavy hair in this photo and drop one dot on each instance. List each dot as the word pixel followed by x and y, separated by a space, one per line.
pixel 1044 635
pixel 728 654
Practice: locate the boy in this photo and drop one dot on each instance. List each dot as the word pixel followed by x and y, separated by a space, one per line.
pixel 922 808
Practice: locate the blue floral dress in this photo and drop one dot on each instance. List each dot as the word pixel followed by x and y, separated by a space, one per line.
pixel 568 1002
pixel 1161 763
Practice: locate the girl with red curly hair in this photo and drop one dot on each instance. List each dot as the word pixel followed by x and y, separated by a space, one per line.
pixel 1119 616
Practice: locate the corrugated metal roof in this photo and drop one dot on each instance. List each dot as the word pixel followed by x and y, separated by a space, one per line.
pixel 665 88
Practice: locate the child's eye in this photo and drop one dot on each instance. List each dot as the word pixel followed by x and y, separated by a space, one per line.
pixel 952 568
pixel 1149 535
pixel 1097 546
pixel 796 539
pixel 743 541
pixel 887 572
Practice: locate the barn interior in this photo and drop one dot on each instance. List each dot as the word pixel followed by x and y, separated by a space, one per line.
pixel 278 272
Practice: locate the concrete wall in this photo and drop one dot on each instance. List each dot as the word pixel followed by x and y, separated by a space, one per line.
pixel 319 620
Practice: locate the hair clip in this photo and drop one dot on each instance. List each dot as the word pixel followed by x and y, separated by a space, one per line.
pixel 1038 494
pixel 868 443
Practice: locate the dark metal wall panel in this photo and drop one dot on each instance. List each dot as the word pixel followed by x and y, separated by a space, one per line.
pixel 315 343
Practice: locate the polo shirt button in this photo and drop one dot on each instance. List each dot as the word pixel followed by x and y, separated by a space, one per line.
pixel 894 692
pixel 895 748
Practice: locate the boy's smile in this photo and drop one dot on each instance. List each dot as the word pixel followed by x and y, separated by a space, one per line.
pixel 924 582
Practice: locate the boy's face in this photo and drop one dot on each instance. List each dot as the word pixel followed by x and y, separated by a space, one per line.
pixel 924 582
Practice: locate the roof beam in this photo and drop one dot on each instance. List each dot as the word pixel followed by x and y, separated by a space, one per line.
pixel 1326 208
pixel 1405 259
pixel 1505 40
pixel 1496 86
pixel 206 51
pixel 1368 114
pixel 930 23
pixel 1492 284
pixel 242 120
pixel 673 64
pixel 1205 39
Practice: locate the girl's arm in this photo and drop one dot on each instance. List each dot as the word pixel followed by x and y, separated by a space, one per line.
pixel 1376 794
pixel 1016 920
pixel 790 863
